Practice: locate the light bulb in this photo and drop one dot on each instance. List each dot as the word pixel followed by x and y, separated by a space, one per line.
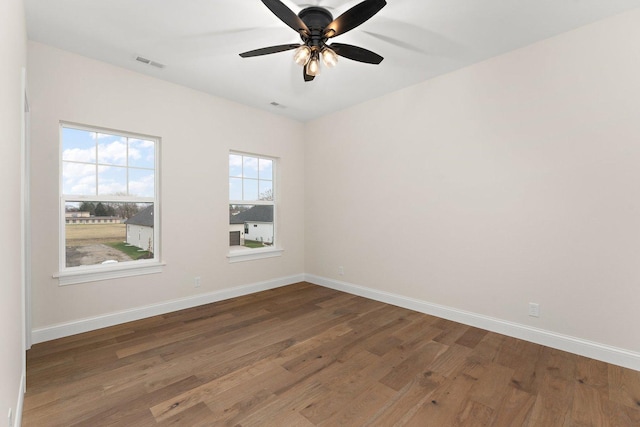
pixel 313 67
pixel 302 55
pixel 329 57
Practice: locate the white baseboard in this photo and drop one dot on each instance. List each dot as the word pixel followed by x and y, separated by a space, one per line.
pixel 594 350
pixel 84 325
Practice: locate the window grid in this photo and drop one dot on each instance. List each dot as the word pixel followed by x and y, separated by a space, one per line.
pixel 251 185
pixel 148 146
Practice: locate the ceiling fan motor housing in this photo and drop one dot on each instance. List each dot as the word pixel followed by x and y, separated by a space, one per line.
pixel 316 19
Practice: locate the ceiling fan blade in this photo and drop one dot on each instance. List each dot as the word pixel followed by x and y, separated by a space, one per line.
pixel 353 17
pixel 356 53
pixel 269 50
pixel 286 15
pixel 307 77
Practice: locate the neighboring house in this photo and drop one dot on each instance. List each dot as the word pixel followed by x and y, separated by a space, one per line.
pixel 140 229
pixel 77 214
pixel 75 218
pixel 253 224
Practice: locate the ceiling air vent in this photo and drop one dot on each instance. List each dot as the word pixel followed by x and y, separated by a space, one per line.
pixel 149 62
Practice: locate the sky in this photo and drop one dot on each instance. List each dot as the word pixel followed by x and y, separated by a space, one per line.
pixel 103 164
pixel 249 177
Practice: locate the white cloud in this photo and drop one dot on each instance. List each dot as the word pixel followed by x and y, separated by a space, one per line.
pixel 79 154
pixel 142 143
pixel 110 186
pixel 84 186
pixel 79 179
pixel 113 153
pixel 143 186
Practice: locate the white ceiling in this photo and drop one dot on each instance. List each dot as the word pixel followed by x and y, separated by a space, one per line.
pixel 199 42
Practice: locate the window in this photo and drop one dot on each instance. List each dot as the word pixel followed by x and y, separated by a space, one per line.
pixel 252 205
pixel 108 189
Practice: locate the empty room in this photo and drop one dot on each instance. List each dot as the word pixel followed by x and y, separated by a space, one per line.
pixel 327 213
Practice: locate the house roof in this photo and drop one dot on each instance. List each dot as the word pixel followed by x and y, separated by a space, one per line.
pixel 144 217
pixel 258 213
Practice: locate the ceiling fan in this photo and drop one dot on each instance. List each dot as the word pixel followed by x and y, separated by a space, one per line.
pixel 316 26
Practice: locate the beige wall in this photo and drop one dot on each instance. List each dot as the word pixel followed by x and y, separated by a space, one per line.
pixel 515 180
pixel 13 54
pixel 197 132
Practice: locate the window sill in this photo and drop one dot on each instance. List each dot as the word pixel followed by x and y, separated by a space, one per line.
pixel 240 255
pixel 94 274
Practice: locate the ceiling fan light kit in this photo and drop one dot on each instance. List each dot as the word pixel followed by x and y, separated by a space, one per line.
pixel 316 26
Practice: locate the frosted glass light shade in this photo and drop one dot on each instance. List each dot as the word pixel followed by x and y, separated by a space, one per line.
pixel 302 55
pixel 329 57
pixel 313 68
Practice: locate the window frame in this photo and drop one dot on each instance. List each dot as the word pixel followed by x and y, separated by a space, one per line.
pixel 247 254
pixel 90 273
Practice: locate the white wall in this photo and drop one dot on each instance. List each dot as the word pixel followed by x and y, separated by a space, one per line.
pixel 197 132
pixel 262 232
pixel 510 181
pixel 140 236
pixel 13 54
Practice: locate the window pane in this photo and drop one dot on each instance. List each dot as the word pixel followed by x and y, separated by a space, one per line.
pixel 112 149
pixel 141 153
pixel 266 190
pixel 250 169
pixel 107 233
pixel 266 169
pixel 235 165
pixel 112 180
pixel 251 226
pixel 250 190
pixel 235 188
pixel 78 179
pixel 78 145
pixel 141 183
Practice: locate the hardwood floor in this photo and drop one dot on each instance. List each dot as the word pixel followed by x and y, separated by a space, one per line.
pixel 304 355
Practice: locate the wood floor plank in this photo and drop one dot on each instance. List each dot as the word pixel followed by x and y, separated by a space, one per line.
pixel 474 414
pixel 305 355
pixel 587 408
pixel 553 403
pixel 514 408
pixel 343 380
pixel 198 415
pixel 445 404
pixel 472 337
pixel 494 380
pixel 406 402
pixel 363 405
pixel 417 363
pixel 624 386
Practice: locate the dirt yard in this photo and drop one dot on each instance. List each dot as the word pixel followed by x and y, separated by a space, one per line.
pixel 93 254
pixel 84 243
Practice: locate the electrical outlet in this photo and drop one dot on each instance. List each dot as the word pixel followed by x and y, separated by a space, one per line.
pixel 341 270
pixel 534 309
pixel 196 282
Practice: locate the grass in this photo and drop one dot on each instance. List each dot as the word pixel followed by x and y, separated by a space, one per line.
pixel 87 234
pixel 132 251
pixel 253 244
